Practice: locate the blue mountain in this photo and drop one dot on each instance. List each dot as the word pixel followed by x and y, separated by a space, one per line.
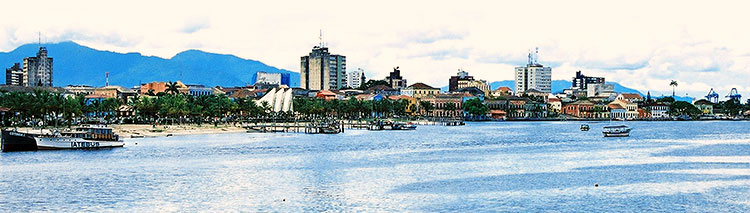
pixel 78 64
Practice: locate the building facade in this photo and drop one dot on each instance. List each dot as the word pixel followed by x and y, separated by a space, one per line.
pixel 533 76
pixel 581 81
pixel 354 78
pixel 395 79
pixel 460 76
pixel 38 69
pixel 15 76
pixel 321 70
pixel 420 90
pixel 268 78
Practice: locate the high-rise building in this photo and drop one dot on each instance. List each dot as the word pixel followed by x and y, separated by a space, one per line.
pixel 15 75
pixel 395 79
pixel 460 76
pixel 581 81
pixel 533 76
pixel 354 78
pixel 38 69
pixel 321 70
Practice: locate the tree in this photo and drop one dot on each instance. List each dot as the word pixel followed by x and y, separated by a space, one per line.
pixel 475 107
pixel 665 100
pixel 372 83
pixel 673 84
pixel 426 106
pixel 173 88
pixel 683 108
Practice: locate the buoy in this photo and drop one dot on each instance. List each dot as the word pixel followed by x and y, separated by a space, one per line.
pixel 596 184
pixel 283 199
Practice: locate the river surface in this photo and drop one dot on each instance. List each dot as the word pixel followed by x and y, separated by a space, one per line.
pixel 502 166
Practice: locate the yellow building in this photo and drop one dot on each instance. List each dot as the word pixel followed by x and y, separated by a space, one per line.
pixel 420 90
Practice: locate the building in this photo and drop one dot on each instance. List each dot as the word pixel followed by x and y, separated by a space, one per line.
pixel 631 108
pixel 706 107
pixel 280 100
pixel 383 90
pixel 533 76
pixel 600 90
pixel 200 90
pixel 502 92
pixel 581 81
pixel 658 110
pixel 420 90
pixel 460 76
pixel 157 87
pixel 447 105
pixel 38 70
pixel 77 90
pixel 321 70
pixel 555 104
pixel 15 75
pixel 355 78
pixel 616 111
pixel 630 97
pixel 395 79
pixel 118 92
pixel 268 78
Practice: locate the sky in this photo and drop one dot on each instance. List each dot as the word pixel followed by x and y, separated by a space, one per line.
pixel 639 44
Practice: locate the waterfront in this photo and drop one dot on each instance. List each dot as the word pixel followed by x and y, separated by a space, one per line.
pixel 498 166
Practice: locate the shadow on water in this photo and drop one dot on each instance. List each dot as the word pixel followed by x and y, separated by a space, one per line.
pixel 711 150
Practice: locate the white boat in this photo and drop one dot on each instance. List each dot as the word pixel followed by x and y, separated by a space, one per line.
pixel 616 131
pixel 90 137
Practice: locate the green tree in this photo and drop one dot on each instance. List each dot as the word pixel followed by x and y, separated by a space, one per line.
pixel 683 108
pixel 475 107
pixel 173 88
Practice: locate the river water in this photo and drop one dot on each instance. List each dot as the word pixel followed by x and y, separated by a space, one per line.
pixel 504 166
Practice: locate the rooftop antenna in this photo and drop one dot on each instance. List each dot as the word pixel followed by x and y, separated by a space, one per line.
pixel 106 82
pixel 40 39
pixel 321 38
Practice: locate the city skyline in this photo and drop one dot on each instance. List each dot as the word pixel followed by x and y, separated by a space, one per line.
pixel 639 44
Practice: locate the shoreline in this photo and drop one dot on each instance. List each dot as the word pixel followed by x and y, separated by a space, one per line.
pixel 148 131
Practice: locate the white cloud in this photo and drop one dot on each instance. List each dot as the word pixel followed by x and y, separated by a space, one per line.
pixel 641 44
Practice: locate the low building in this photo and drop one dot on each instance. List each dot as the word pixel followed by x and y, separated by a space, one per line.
pixel 383 90
pixel 705 106
pixel 326 95
pixel 555 104
pixel 502 92
pixel 76 90
pixel 200 90
pixel 420 90
pixel 631 108
pixel 579 109
pixel 447 105
pixel 118 92
pixel 617 111
pixel 630 97
pixel 657 111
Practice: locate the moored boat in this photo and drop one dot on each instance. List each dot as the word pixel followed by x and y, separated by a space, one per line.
pixel 616 131
pixel 404 126
pixel 585 127
pixel 90 137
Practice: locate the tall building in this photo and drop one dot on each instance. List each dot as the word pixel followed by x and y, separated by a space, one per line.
pixel 395 79
pixel 581 81
pixel 15 75
pixel 460 76
pixel 533 76
pixel 38 69
pixel 354 78
pixel 321 70
pixel 268 78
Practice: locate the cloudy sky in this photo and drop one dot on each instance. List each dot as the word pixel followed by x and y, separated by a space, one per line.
pixel 640 44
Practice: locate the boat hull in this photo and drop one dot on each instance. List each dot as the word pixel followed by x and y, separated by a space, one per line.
pixel 17 141
pixel 626 134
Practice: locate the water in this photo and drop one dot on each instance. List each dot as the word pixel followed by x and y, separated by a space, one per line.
pixel 510 166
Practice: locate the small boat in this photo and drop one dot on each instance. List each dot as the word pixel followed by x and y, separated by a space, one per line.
pixel 616 131
pixel 585 127
pixel 404 126
pixel 90 137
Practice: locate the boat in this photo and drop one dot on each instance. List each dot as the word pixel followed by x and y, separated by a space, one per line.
pixel 88 137
pixel 616 131
pixel 585 127
pixel 403 126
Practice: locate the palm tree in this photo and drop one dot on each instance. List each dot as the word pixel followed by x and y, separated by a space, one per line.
pixel 673 84
pixel 173 87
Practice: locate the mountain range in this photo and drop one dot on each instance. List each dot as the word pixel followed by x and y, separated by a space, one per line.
pixel 75 64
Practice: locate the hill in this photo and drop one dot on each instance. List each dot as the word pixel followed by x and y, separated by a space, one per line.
pixel 78 64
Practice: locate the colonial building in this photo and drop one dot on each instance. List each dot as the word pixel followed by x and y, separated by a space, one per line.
pixel 447 105
pixel 502 91
pixel 631 108
pixel 630 97
pixel 321 70
pixel 38 70
pixel 657 110
pixel 705 106
pixel 420 90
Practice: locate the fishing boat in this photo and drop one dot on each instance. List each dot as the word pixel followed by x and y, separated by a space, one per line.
pixel 616 131
pixel 88 137
pixel 585 127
